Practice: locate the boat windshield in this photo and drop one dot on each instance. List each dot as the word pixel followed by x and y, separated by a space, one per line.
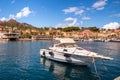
pixel 67 45
pixel 80 48
pixel 56 41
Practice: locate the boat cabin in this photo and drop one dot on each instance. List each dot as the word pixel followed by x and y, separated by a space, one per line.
pixel 65 42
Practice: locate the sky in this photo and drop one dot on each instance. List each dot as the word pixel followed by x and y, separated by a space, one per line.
pixel 62 13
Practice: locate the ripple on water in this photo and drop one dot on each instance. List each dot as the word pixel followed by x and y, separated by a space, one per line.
pixel 20 60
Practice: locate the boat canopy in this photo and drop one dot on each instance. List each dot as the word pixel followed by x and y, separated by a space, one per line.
pixel 65 40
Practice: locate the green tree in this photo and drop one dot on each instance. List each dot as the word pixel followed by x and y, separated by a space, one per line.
pixel 72 28
pixel 95 29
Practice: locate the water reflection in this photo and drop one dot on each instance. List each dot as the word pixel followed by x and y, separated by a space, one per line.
pixel 67 72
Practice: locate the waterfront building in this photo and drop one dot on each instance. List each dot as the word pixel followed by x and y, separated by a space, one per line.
pixel 7 35
pixel 42 37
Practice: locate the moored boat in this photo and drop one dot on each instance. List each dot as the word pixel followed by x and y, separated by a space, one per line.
pixel 67 51
pixel 9 36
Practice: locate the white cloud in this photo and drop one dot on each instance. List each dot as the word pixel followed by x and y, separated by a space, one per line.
pixel 80 12
pixel 100 8
pixel 69 19
pixel 86 18
pixel 73 23
pixel 23 13
pixel 70 10
pixel 112 25
pixel 3 19
pixel 26 11
pixel 75 10
pixel 19 15
pixel 11 16
pixel 99 5
pixel 116 15
pixel 68 22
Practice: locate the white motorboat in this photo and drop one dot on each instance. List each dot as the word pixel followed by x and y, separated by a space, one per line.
pixel 67 51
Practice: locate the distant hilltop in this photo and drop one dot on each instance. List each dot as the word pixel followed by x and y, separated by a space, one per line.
pixel 15 24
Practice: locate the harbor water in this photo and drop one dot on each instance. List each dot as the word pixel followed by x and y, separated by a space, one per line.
pixel 20 60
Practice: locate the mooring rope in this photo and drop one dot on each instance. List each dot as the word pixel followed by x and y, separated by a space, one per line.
pixel 96 69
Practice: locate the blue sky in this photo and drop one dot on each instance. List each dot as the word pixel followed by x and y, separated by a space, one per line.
pixel 61 13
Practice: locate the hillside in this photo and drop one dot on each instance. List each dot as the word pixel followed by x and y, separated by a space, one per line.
pixel 25 29
pixel 15 24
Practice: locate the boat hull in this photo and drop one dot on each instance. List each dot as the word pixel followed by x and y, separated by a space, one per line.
pixel 66 58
